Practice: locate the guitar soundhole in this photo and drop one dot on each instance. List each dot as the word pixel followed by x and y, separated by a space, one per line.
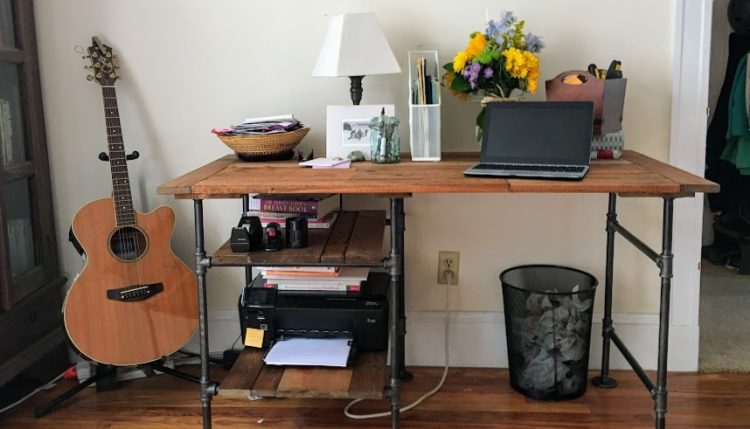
pixel 128 243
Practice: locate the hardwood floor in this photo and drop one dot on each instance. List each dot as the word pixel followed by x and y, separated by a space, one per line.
pixel 471 398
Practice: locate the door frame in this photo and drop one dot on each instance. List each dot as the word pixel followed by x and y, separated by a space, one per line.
pixel 687 150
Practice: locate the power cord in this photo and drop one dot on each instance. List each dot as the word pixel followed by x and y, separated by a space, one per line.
pixel 448 275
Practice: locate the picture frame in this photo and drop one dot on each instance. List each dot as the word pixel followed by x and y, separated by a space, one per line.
pixel 347 128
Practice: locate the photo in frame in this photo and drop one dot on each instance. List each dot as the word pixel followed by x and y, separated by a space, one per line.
pixel 347 128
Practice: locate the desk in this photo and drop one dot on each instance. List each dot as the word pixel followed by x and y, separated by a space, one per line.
pixel 634 175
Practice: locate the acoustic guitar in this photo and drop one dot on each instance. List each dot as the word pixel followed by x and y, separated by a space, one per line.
pixel 134 301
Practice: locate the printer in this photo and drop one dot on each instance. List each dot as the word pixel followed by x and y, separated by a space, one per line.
pixel 362 317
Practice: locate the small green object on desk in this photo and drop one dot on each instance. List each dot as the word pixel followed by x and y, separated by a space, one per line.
pixel 356 156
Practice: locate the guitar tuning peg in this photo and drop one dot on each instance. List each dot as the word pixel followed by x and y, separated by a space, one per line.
pixel 86 57
pixel 117 67
pixel 89 77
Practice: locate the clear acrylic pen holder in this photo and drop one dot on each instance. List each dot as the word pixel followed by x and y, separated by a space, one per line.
pixel 424 106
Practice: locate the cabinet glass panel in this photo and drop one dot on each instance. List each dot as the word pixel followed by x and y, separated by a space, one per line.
pixel 19 224
pixel 12 148
pixel 7 36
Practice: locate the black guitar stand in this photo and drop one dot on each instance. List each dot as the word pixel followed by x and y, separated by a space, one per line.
pixel 105 376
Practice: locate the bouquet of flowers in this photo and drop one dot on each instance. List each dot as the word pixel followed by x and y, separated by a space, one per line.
pixel 495 63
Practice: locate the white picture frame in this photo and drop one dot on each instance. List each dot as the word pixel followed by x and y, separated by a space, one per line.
pixel 347 128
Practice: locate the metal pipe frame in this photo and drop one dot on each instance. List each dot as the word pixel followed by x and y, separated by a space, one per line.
pixel 245 209
pixel 664 261
pixel 202 263
pixel 395 265
pixel 397 317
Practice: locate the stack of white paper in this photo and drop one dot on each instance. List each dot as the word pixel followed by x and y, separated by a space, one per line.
pixel 310 352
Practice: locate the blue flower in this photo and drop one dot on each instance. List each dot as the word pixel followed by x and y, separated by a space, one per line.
pixel 533 43
pixel 507 18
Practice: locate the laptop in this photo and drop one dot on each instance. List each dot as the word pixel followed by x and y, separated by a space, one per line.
pixel 549 140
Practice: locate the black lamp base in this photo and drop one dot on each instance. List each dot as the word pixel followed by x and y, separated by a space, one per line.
pixel 356 89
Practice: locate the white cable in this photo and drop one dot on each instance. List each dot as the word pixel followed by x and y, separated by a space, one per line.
pixel 46 386
pixel 449 277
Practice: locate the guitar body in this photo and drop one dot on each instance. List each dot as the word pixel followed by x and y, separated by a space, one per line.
pixel 134 301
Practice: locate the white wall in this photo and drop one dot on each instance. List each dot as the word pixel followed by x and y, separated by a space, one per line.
pixel 189 66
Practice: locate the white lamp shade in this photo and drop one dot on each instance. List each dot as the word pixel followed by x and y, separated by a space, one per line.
pixel 355 46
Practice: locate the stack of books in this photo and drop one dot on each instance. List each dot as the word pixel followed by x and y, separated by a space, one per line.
pixel 314 280
pixel 320 210
pixel 608 146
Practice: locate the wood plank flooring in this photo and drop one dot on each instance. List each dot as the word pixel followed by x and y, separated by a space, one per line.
pixel 471 399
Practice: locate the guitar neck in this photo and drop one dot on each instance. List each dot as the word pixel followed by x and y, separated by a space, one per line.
pixel 117 162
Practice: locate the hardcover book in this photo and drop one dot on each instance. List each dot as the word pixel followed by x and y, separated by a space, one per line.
pixel 320 204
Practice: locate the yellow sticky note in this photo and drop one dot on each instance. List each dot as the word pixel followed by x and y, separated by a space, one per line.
pixel 254 337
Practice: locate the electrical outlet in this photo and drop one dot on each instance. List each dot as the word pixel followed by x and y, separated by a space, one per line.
pixel 448 260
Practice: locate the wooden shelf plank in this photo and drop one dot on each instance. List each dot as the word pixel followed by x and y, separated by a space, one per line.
pixel 315 383
pixel 366 243
pixel 338 241
pixel 240 379
pixel 251 377
pixel 325 246
pixel 370 376
pixel 267 381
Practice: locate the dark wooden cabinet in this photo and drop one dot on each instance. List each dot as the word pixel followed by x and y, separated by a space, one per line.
pixel 30 284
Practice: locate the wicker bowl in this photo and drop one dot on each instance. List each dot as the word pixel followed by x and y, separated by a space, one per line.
pixel 264 146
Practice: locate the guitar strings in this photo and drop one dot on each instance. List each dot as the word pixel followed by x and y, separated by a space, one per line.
pixel 128 235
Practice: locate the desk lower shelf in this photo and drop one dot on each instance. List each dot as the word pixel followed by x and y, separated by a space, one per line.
pixel 251 377
pixel 356 239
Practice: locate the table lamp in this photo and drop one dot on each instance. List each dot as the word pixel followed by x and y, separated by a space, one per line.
pixel 354 46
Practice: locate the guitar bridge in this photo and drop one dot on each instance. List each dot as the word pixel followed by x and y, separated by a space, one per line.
pixel 135 293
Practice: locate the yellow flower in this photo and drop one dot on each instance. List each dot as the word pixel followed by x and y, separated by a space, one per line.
pixel 459 61
pixel 533 76
pixel 476 45
pixel 519 64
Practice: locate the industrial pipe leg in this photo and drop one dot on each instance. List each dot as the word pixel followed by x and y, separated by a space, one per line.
pixel 666 265
pixel 604 380
pixel 200 271
pixel 404 375
pixel 396 271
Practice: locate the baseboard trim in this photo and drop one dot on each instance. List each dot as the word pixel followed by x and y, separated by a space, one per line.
pixel 477 339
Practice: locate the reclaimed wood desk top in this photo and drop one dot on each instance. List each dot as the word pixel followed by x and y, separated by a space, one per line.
pixel 634 174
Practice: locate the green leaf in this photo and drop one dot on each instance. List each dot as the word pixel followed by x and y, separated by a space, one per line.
pixel 448 67
pixel 460 84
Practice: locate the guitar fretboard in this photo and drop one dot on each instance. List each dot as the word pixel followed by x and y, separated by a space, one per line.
pixel 117 162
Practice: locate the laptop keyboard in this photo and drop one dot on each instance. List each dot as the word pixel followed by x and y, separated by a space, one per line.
pixel 531 167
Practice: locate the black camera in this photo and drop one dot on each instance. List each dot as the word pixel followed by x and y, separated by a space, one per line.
pixel 247 235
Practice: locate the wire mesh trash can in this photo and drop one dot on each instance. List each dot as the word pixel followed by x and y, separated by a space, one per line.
pixel 548 312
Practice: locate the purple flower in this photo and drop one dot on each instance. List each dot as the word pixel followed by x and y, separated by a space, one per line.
pixel 471 73
pixel 488 72
pixel 502 29
pixel 533 43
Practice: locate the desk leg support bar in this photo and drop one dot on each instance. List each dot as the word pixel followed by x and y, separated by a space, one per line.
pixel 208 388
pixel 664 261
pixel 665 264
pixel 395 265
pixel 604 380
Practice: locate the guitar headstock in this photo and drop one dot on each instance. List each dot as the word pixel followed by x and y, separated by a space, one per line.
pixel 102 63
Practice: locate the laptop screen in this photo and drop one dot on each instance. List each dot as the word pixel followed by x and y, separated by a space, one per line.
pixel 555 133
